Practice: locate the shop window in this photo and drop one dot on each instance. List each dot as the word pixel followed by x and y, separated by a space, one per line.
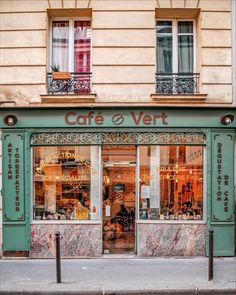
pixel 171 182
pixel 175 57
pixel 65 183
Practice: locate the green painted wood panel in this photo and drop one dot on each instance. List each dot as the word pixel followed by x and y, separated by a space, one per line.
pixel 223 240
pixel 222 177
pixel 15 237
pixel 221 207
pixel 16 234
pixel 13 177
pixel 119 117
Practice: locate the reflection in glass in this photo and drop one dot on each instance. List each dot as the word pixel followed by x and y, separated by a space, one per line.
pixel 164 27
pixel 164 54
pixel 82 41
pixel 171 182
pixel 164 47
pixel 185 54
pixel 64 177
pixel 185 27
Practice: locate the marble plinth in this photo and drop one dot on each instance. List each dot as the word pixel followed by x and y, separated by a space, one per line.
pixel 171 239
pixel 77 240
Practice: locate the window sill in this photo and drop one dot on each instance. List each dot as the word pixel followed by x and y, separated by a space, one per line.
pixel 179 98
pixel 7 103
pixel 64 222
pixel 68 98
pixel 170 222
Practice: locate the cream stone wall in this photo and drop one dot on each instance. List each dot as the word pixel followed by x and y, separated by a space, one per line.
pixel 123 53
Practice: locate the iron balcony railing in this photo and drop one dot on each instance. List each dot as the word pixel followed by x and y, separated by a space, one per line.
pixel 177 83
pixel 69 83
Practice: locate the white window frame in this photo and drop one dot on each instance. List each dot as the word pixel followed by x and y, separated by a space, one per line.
pixel 175 35
pixel 71 21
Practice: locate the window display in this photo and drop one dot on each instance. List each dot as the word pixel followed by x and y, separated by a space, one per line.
pixel 171 182
pixel 65 183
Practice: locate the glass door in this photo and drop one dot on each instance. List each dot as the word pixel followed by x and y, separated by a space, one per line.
pixel 119 166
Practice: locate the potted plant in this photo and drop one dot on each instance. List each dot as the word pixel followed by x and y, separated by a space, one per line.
pixel 57 75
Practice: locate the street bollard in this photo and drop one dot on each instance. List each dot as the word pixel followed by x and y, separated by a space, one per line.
pixel 58 257
pixel 211 254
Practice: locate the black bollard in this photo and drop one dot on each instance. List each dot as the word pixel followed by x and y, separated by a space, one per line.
pixel 211 254
pixel 58 257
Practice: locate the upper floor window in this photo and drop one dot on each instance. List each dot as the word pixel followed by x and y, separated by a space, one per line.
pixel 175 57
pixel 71 45
pixel 175 47
pixel 70 54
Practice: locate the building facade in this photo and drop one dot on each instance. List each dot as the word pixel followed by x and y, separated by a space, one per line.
pixel 118 127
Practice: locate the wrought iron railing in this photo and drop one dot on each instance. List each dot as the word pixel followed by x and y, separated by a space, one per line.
pixel 69 83
pixel 177 83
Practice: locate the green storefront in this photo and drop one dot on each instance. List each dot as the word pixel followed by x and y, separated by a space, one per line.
pixel 144 180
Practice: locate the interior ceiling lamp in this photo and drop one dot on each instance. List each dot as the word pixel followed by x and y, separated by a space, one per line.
pixel 10 120
pixel 227 119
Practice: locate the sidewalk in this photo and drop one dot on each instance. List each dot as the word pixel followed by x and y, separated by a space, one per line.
pixel 119 276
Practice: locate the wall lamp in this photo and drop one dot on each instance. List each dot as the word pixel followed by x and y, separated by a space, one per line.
pixel 227 119
pixel 10 120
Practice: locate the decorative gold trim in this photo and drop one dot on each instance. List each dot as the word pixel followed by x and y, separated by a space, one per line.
pixel 99 138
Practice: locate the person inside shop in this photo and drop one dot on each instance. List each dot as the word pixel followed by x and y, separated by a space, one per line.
pixel 80 199
pixel 187 208
pixel 123 211
pixel 189 194
pixel 112 230
pixel 80 211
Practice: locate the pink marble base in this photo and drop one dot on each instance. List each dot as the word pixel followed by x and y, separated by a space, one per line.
pixel 171 239
pixel 77 240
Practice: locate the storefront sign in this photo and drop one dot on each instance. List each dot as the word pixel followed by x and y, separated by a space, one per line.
pixel 139 118
pixel 81 170
pixel 14 179
pixel 65 156
pixel 222 178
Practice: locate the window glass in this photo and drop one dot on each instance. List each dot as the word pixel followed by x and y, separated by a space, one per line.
pixel 185 27
pixel 164 47
pixel 171 182
pixel 185 54
pixel 82 41
pixel 164 54
pixel 175 51
pixel 164 27
pixel 65 182
pixel 60 44
pixel 71 45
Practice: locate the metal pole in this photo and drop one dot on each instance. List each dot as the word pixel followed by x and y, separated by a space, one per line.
pixel 211 254
pixel 58 257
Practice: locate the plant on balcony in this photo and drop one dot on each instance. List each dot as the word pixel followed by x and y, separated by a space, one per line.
pixel 57 75
pixel 55 68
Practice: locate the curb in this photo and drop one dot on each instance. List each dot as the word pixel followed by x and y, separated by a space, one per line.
pixel 194 291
